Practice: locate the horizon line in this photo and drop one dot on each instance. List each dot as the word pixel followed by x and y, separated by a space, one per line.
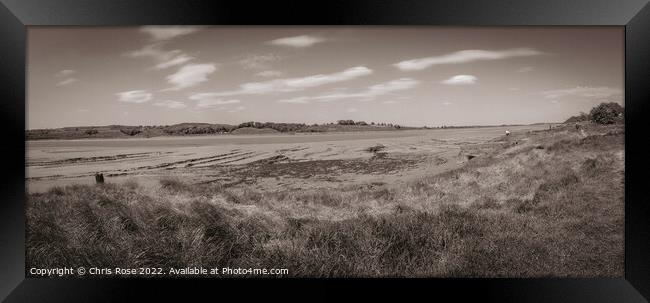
pixel 306 124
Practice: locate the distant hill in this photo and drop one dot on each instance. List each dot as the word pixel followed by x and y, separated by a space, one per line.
pixel 195 129
pixel 579 118
pixel 125 131
pixel 185 129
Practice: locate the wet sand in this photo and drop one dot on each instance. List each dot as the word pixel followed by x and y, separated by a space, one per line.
pixel 266 162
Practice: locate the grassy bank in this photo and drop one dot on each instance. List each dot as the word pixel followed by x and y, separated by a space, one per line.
pixel 546 203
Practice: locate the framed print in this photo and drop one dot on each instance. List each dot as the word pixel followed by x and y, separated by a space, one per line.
pixel 415 145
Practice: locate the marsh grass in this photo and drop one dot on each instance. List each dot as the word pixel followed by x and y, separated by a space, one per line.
pixel 518 211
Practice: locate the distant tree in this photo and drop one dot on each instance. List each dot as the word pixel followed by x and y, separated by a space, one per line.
pixel 91 132
pixel 361 123
pixel 372 123
pixel 607 113
pixel 346 122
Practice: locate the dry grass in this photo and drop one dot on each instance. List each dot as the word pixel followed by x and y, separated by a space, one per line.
pixel 545 203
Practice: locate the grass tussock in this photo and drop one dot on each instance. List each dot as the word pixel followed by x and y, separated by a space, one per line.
pixel 375 149
pixel 518 211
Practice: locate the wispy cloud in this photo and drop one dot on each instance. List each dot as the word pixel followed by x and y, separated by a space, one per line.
pixel 584 92
pixel 368 94
pixel 66 73
pixel 154 51
pixel 258 61
pixel 163 33
pixel 165 58
pixel 460 80
pixel 171 104
pixel 177 60
pixel 352 110
pixel 159 36
pixel 391 86
pixel 446 103
pixel 67 81
pixel 295 84
pixel 297 41
pixel 525 69
pixel 190 75
pixel 308 99
pixel 208 101
pixel 270 73
pixel 134 96
pixel 465 56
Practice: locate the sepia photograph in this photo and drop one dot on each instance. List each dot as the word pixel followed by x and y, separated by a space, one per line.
pixel 324 151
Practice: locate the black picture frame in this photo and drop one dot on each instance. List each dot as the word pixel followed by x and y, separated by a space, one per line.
pixel 634 15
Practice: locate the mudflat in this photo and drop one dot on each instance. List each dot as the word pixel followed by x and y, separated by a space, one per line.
pixel 265 162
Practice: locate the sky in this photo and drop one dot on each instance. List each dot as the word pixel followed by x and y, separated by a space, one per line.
pixel 414 76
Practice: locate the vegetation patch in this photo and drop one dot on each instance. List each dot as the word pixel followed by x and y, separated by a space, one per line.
pixel 516 211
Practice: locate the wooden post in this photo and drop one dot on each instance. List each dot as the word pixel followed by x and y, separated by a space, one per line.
pixel 99 178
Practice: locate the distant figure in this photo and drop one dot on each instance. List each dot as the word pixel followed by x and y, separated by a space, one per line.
pixel 507 133
pixel 99 178
pixel 577 126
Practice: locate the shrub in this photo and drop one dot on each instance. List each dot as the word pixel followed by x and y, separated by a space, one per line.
pixel 130 131
pixel 607 113
pixel 174 184
pixel 375 149
pixel 91 132
pixel 485 203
